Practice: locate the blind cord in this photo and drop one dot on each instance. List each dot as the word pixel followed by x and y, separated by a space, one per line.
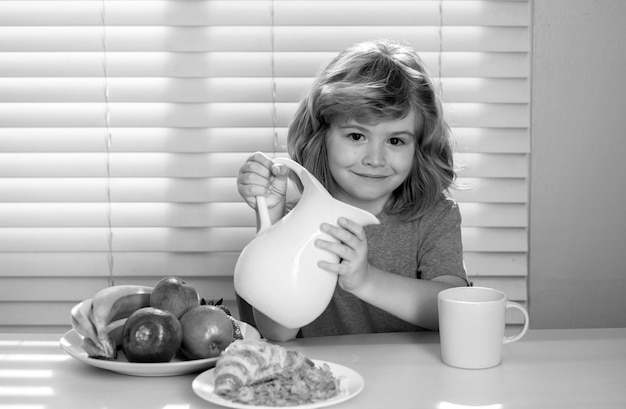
pixel 273 73
pixel 108 145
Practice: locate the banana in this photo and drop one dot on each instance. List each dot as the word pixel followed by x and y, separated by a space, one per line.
pixel 112 304
pixel 80 320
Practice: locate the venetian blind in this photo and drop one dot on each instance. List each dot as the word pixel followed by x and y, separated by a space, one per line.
pixel 123 124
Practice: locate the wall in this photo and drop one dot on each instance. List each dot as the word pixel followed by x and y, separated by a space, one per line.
pixel 578 192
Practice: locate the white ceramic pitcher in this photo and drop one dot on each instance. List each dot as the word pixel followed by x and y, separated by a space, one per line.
pixel 277 271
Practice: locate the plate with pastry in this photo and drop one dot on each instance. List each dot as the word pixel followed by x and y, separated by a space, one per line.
pixel 258 374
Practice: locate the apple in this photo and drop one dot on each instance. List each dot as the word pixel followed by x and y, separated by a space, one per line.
pixel 207 331
pixel 152 335
pixel 174 295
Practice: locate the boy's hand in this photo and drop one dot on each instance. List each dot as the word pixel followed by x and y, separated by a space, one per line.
pixel 351 250
pixel 260 176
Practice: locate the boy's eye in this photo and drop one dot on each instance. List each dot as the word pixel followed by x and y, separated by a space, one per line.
pixel 355 136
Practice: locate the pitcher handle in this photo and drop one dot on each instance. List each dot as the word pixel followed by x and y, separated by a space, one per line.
pixel 261 203
pixel 264 214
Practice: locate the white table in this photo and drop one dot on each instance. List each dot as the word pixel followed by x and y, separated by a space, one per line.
pixel 546 369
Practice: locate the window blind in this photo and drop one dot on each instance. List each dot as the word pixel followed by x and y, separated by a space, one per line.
pixel 123 125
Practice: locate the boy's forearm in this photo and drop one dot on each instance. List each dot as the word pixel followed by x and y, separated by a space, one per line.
pixel 410 299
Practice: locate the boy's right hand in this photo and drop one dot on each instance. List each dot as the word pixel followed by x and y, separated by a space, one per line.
pixel 260 176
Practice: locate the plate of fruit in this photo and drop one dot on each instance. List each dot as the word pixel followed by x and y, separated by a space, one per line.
pixel 164 330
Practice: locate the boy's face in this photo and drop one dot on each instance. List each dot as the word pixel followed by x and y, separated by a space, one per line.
pixel 369 162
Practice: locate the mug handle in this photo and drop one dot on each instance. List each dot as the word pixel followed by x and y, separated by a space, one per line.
pixel 511 304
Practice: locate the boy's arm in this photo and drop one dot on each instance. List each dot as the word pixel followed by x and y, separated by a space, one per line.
pixel 407 298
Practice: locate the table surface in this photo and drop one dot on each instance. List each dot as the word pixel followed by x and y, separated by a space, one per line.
pixel 583 368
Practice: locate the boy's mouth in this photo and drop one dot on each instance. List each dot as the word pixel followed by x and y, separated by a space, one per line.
pixel 371 176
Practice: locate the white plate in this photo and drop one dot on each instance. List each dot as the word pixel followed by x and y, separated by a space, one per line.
pixel 351 384
pixel 71 341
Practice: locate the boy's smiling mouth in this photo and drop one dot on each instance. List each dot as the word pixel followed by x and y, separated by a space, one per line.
pixel 370 176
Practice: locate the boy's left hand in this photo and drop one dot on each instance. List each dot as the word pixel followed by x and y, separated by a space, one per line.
pixel 351 250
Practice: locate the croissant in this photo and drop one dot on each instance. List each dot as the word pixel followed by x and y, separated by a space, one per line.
pixel 246 362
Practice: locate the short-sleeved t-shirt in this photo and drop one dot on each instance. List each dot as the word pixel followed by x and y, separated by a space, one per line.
pixel 426 248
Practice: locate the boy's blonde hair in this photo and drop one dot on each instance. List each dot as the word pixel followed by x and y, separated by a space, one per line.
pixel 371 82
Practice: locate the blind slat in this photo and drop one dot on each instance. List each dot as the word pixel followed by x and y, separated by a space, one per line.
pixel 494 239
pixel 231 12
pixel 238 64
pixel 147 139
pixel 494 214
pixel 15 190
pixel 151 13
pixel 155 114
pixel 89 239
pixel 200 239
pixel 122 190
pixel 496 264
pixel 491 190
pixel 126 214
pixel 129 114
pixel 127 264
pixel 77 288
pixel 201 214
pixel 505 140
pixel 510 90
pixel 202 165
pixel 159 264
pixel 499 165
pixel 252 38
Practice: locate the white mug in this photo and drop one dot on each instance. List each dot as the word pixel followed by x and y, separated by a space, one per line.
pixel 471 326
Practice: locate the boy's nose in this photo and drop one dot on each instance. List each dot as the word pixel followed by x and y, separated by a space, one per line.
pixel 374 156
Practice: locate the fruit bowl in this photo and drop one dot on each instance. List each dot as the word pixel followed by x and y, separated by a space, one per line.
pixel 71 341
